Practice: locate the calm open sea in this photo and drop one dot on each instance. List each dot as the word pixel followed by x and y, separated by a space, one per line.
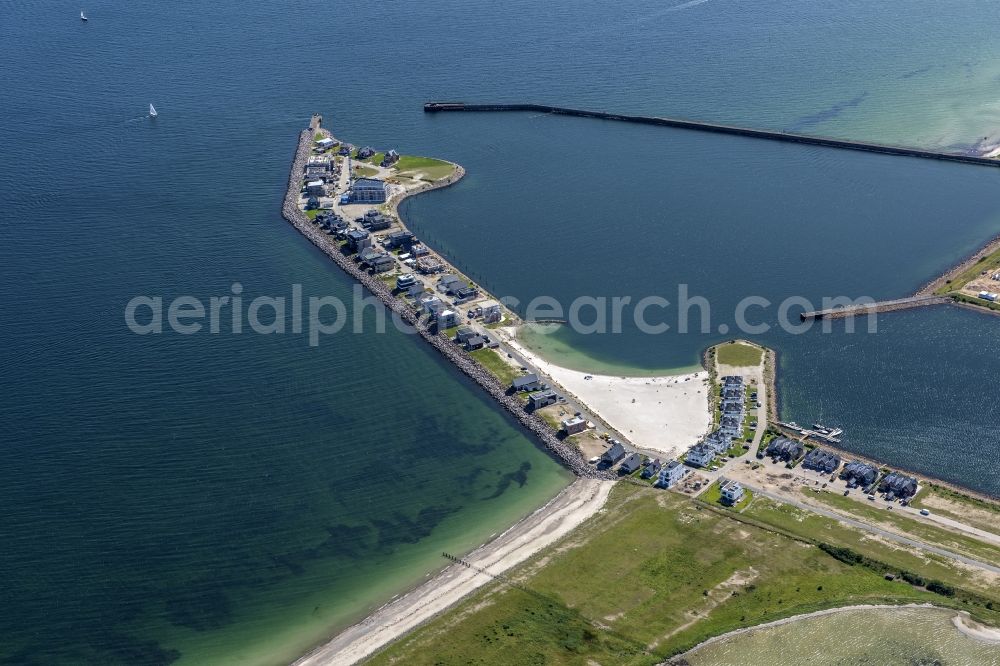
pixel 237 497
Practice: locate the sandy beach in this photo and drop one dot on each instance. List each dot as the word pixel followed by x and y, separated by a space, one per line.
pixel 570 508
pixel 964 623
pixel 664 414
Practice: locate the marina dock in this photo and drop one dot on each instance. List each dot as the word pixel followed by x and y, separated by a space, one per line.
pixel 718 128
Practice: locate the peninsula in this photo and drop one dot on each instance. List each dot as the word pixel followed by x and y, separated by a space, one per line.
pixel 700 458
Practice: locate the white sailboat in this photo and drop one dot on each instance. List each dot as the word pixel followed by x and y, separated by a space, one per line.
pixel 82 16
pixel 152 111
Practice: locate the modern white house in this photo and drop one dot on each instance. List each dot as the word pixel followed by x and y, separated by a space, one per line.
pixel 732 491
pixel 700 455
pixel 670 474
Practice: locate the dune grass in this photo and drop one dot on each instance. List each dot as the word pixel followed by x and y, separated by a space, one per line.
pixel 651 576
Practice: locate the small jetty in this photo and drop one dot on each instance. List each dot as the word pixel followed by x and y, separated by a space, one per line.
pixel 862 309
pixel 718 128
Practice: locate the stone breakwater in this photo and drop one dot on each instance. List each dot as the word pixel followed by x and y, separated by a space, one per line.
pixel 565 453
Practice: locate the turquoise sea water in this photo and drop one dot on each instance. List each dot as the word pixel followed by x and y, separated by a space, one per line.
pixel 240 497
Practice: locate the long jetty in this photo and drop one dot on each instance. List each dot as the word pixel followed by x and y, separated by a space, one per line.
pixel 717 128
pixel 565 452
pixel 862 309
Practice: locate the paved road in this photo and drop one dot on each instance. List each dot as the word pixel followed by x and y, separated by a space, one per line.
pixel 878 531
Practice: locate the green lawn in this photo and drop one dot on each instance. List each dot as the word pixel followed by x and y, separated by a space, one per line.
pixel 814 527
pixel 651 576
pixel 362 171
pixel 431 169
pixel 492 361
pixel 311 214
pixel 924 531
pixel 739 354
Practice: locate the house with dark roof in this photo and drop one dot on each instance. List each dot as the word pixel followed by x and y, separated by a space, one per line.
pixel 784 449
pixel 390 158
pixel 358 239
pixel 365 153
pixel 630 465
pixel 652 469
pixel 896 485
pixel 859 474
pixel 613 454
pixel 821 460
pixel 368 190
pixel 540 399
pixel 399 239
pixel 526 383
pixel 475 342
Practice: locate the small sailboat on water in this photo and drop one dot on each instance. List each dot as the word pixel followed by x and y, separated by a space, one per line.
pixel 152 111
pixel 83 17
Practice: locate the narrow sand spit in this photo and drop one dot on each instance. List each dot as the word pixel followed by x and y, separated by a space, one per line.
pixel 665 414
pixel 570 508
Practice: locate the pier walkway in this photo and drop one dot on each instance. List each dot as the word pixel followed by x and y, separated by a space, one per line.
pixel 880 306
pixel 717 128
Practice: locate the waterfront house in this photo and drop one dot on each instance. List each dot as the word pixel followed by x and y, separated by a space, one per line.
pixel 405 281
pixel 357 239
pixel 897 485
pixel 527 383
pixel 428 302
pixel 652 469
pixel 821 460
pixel 475 342
pixel 445 318
pixel 670 474
pixel 326 143
pixel 491 312
pixel 630 465
pixel 315 188
pixel 573 425
pixel 312 203
pixel 429 265
pixel 368 190
pixel 399 239
pixel 390 158
pixel 784 449
pixel 463 334
pixel 418 249
pixel 377 223
pixel 365 153
pixel 732 491
pixel 416 291
pixel 448 283
pixel 465 294
pixel 540 399
pixel 732 380
pixel 700 455
pixel 614 454
pixel 859 474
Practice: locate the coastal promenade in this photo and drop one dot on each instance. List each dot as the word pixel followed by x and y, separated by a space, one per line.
pixel 562 451
pixel 718 128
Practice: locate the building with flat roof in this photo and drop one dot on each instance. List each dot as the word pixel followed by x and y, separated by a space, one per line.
pixel 368 190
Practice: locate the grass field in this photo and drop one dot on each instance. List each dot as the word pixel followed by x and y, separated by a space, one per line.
pixel 874 512
pixel 816 528
pixel 492 361
pixel 990 262
pixel 651 576
pixel 427 167
pixel 739 354
pixel 362 171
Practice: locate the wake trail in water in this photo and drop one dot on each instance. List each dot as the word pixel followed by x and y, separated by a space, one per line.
pixel 668 10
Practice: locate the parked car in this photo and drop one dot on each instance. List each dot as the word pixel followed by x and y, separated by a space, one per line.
pixel 925 512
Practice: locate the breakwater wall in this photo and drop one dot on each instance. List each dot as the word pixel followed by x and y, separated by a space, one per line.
pixel 718 128
pixel 907 303
pixel 562 451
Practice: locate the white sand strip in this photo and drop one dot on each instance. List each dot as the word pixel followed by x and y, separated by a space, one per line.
pixel 572 506
pixel 665 414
